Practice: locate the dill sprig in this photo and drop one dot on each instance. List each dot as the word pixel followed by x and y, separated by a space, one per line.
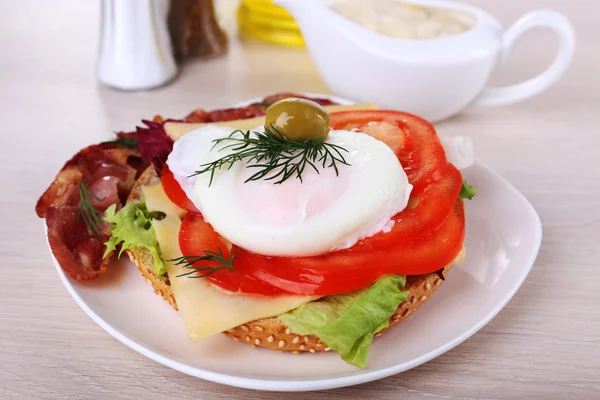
pixel 124 142
pixel 202 270
pixel 274 156
pixel 90 215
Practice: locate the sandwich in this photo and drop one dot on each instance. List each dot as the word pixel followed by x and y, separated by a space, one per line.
pixel 287 224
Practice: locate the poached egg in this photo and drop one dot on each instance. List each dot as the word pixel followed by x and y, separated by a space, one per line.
pixel 324 212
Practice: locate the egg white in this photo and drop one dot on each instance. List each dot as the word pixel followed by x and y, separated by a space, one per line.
pixel 324 212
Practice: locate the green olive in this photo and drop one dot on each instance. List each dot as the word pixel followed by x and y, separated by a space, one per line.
pixel 298 119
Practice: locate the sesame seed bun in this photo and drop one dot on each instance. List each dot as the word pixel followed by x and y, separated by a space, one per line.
pixel 271 332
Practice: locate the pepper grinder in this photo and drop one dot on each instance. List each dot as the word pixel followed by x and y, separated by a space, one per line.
pixel 135 47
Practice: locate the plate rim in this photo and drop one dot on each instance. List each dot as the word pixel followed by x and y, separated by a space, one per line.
pixel 326 383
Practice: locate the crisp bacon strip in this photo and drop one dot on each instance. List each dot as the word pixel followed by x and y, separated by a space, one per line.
pixel 267 101
pixel 250 111
pixel 109 172
pixel 226 114
pixel 78 251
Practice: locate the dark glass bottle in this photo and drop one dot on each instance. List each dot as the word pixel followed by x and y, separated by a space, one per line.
pixel 194 29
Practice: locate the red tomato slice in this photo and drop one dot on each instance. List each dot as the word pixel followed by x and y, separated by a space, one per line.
pixel 351 269
pixel 425 237
pixel 174 191
pixel 197 236
pixel 413 139
pixel 430 206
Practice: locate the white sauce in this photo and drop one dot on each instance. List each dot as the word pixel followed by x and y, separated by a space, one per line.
pixel 404 20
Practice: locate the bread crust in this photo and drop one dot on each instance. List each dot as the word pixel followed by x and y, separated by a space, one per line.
pixel 142 257
pixel 271 332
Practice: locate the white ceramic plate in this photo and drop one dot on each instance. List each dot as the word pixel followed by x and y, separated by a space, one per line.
pixel 503 238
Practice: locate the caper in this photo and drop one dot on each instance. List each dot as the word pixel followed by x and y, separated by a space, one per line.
pixel 298 119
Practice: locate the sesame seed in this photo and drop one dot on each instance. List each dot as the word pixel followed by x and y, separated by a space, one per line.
pixel 306 339
pixel 245 328
pixel 288 331
pixel 296 339
pixel 295 351
pixel 311 350
pixel 428 286
pixel 247 338
pixel 257 341
pixel 378 334
pixel 230 330
pixel 319 344
pixel 413 300
pixel 281 343
pixel 327 349
pixel 302 347
pixel 270 339
pixel 236 339
pixel 258 328
pixel 437 282
pixel 423 298
pixel 406 312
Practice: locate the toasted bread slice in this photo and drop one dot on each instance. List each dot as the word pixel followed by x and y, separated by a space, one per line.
pixel 271 332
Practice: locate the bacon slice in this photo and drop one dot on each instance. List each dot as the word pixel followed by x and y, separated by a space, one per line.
pixel 108 172
pixel 78 251
pixel 250 111
pixel 226 114
pixel 267 101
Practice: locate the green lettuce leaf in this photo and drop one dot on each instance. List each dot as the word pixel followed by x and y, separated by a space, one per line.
pixel 132 227
pixel 467 191
pixel 347 323
pixel 360 351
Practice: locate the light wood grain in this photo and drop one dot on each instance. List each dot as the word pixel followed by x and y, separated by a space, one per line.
pixel 545 344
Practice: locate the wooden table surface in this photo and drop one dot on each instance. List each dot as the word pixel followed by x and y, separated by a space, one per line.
pixel 544 344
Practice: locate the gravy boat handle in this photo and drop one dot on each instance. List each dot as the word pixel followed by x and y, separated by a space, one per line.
pixel 496 96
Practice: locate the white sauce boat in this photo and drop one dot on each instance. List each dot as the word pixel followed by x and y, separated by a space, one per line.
pixel 433 78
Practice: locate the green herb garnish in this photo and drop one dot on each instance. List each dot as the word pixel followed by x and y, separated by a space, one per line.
pixel 124 142
pixel 467 191
pixel 204 271
pixel 90 215
pixel 275 157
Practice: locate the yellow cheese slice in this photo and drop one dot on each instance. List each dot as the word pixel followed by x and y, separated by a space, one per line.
pixel 206 310
pixel 175 130
pixel 157 200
